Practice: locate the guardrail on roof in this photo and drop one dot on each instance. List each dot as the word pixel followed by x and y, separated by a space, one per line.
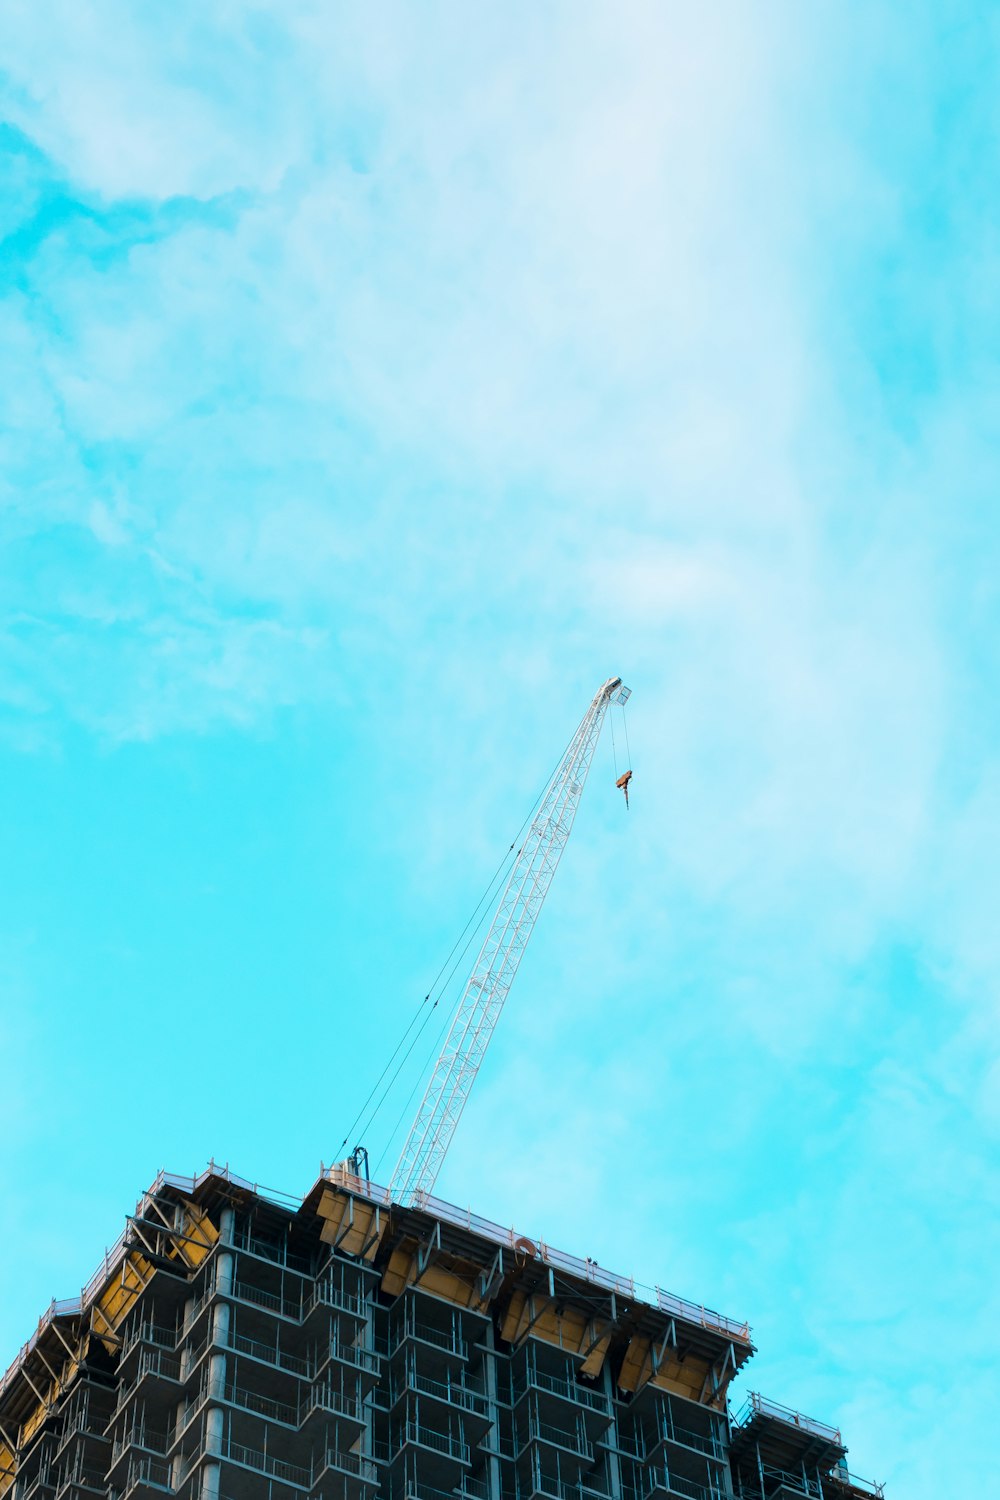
pixel 68 1307
pixel 586 1270
pixel 758 1405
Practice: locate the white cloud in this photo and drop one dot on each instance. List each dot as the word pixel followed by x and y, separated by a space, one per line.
pixel 499 352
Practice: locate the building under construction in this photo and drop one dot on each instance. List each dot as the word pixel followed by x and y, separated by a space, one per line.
pixel 370 1342
pixel 236 1345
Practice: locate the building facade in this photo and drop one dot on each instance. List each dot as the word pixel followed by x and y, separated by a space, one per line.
pixel 238 1346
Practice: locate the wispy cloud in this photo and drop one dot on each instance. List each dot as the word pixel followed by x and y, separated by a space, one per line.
pixel 412 374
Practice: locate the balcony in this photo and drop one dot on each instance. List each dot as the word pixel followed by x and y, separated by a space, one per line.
pixel 447 1339
pixel 840 1483
pixel 760 1406
pixel 356 1466
pixel 567 1390
pixel 267 1354
pixel 441 1443
pixel 41 1484
pixel 365 1361
pixel 569 1442
pixel 155 1365
pixel 137 1439
pixel 543 1487
pixel 77 1421
pixel 326 1294
pixel 280 1306
pixel 148 1332
pixel 85 1479
pixel 669 1431
pixel 245 1457
pixel 452 1393
pixel 660 1483
pixel 275 1254
pixel 326 1401
pixel 143 1473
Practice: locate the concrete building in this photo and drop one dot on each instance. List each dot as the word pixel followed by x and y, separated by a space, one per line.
pixel 235 1345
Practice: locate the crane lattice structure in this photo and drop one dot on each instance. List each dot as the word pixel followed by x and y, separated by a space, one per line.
pixel 493 972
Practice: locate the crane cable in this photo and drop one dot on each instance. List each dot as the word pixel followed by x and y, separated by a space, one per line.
pixel 434 1049
pixel 477 917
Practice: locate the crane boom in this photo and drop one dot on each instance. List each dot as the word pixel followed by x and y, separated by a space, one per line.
pixel 493 972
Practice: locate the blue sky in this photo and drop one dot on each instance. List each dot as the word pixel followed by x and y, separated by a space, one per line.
pixel 377 381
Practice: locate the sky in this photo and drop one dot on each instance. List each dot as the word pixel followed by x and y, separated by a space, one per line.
pixel 378 381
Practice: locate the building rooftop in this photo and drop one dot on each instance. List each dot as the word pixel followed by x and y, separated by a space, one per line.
pixel 462 1345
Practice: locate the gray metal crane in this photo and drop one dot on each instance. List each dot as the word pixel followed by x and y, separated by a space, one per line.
pixel 493 972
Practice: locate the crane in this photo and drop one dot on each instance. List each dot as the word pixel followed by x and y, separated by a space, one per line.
pixel 493 972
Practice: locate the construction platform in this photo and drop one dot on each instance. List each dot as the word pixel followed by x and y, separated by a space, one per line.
pixel 237 1344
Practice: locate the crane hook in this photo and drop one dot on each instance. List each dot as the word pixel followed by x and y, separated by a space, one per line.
pixel 623 782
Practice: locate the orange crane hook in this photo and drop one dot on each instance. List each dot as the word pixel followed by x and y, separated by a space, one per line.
pixel 623 782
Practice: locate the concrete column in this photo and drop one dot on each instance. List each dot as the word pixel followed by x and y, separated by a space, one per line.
pixel 210 1477
pixel 222 1318
pixel 177 1461
pixel 216 1375
pixel 490 1372
pixel 224 1259
pixel 614 1462
pixel 210 1472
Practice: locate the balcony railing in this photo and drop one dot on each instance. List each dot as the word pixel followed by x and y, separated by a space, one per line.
pixel 453 1392
pixel 559 1489
pixel 148 1472
pixel 328 1294
pixel 442 1338
pixel 837 1479
pixel 278 1255
pixel 351 1354
pixel 148 1332
pixel 260 1406
pixel 267 1354
pixel 84 1477
pixel 558 1385
pixel 660 1480
pixel 138 1436
pixel 757 1405
pixel 241 1290
pixel 42 1483
pixel 154 1364
pixel 324 1398
pixel 670 1432
pixel 545 1432
pixel 440 1442
pixel 359 1465
pixel 264 1463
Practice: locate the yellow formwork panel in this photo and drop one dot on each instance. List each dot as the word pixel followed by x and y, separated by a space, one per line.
pixel 569 1329
pixel 32 1423
pixel 120 1295
pixel 683 1377
pixel 634 1365
pixel 512 1317
pixel 350 1233
pixel 595 1359
pixel 8 1468
pixel 398 1273
pixel 460 1287
pixel 200 1234
pixel 450 1286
